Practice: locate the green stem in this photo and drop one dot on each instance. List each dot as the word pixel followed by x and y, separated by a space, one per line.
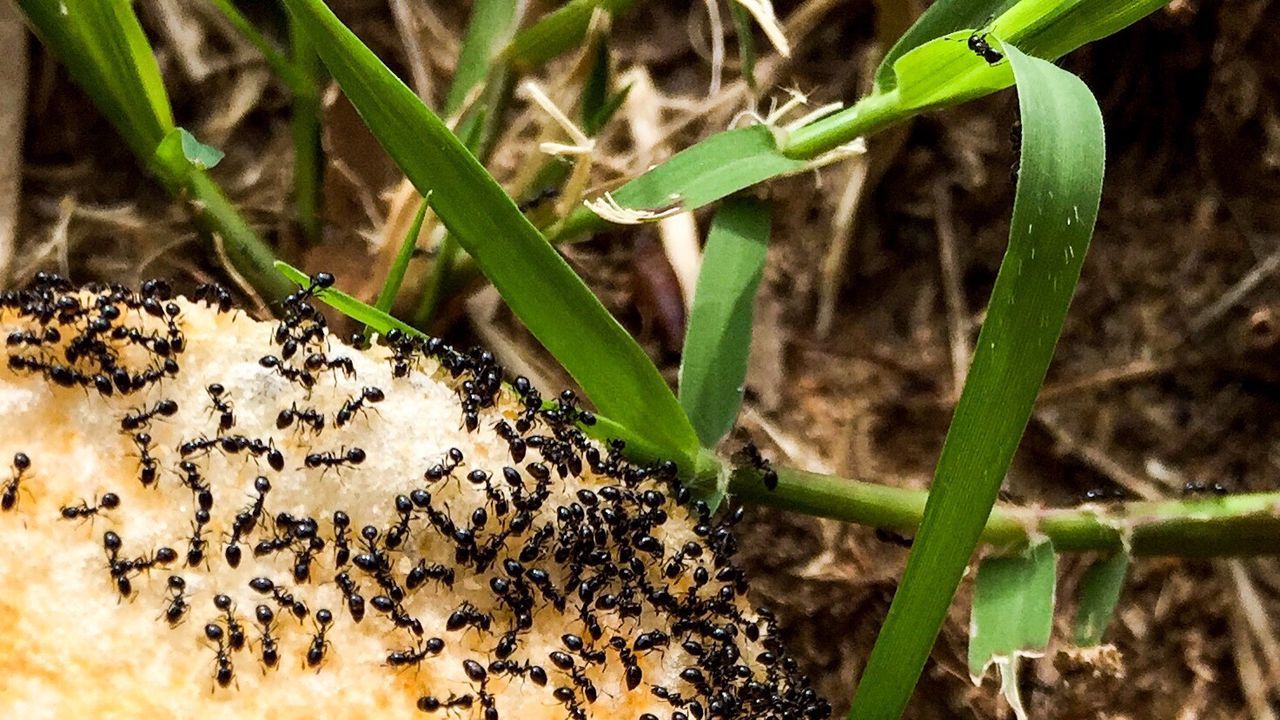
pixel 217 216
pixel 276 60
pixel 871 114
pixel 433 293
pixel 1230 525
pixel 306 135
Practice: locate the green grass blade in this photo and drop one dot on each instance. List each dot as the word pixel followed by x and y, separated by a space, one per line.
pixel 717 339
pixel 275 59
pixel 745 29
pixel 1012 615
pixel 395 274
pixel 1054 210
pixel 558 32
pixel 1099 593
pixel 942 17
pixel 713 169
pixel 491 25
pixel 536 282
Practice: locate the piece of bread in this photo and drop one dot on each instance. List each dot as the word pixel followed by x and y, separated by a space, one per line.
pixel 152 440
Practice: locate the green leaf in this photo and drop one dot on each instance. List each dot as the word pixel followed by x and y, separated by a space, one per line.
pixel 942 17
pixel 595 91
pixel 713 366
pixel 536 282
pixel 745 28
pixel 1099 593
pixel 560 31
pixel 1012 615
pixel 713 169
pixel 1054 210
pixel 197 153
pixel 395 274
pixel 491 25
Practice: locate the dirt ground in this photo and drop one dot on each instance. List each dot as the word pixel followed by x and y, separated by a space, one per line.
pixel 1166 372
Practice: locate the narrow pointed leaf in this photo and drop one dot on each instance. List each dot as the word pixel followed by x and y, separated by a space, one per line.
pixel 713 366
pixel 560 31
pixel 536 282
pixel 1056 203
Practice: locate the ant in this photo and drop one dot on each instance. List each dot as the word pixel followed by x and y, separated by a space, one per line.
pixel 515 443
pixel 356 404
pixel 509 667
pixel 354 456
pixel 341 541
pixel 399 617
pixel 223 671
pixel 980 47
pixel 270 648
pixel 197 545
pixel 177 600
pixel 423 572
pixel 632 673
pixel 109 501
pixel 306 418
pixel 139 418
pixel 440 471
pixel 1200 487
pixel 351 593
pixel 466 615
pixel 415 656
pixel 429 703
pixel 292 374
pixel 399 531
pixel 224 410
pixel 320 643
pixel 264 586
pixel 316 362
pixel 750 456
pixel 235 631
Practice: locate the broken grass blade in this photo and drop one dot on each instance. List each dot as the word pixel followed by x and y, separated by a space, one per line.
pixel 1012 615
pixel 558 32
pixel 1099 593
pixel 713 364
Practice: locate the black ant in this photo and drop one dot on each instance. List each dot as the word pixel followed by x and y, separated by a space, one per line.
pixel 354 456
pixel 1200 487
pixel 235 631
pixel 351 593
pixel 466 615
pixel 515 443
pixel 285 600
pixel 303 558
pixel 750 456
pixel 221 407
pixel 423 572
pixel 398 532
pixel 396 612
pixel 510 667
pixel 308 417
pixel 429 703
pixel 632 672
pixel 146 462
pixel 341 535
pixel 109 501
pixel 316 362
pixel 270 648
pixel 356 404
pixel 197 545
pixel 177 605
pixel 292 374
pixel 980 47
pixel 533 201
pixel 440 471
pixel 319 643
pixel 139 418
pixel 223 671
pixel 415 655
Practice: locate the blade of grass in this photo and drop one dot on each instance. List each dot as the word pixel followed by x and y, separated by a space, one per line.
pixel 1054 210
pixel 535 281
pixel 275 59
pixel 558 32
pixel 307 151
pixel 713 169
pixel 395 274
pixel 1012 615
pixel 746 42
pixel 1099 593
pixel 491 25
pixel 713 365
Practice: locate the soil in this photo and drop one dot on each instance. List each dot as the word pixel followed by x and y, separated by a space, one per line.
pixel 1166 372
